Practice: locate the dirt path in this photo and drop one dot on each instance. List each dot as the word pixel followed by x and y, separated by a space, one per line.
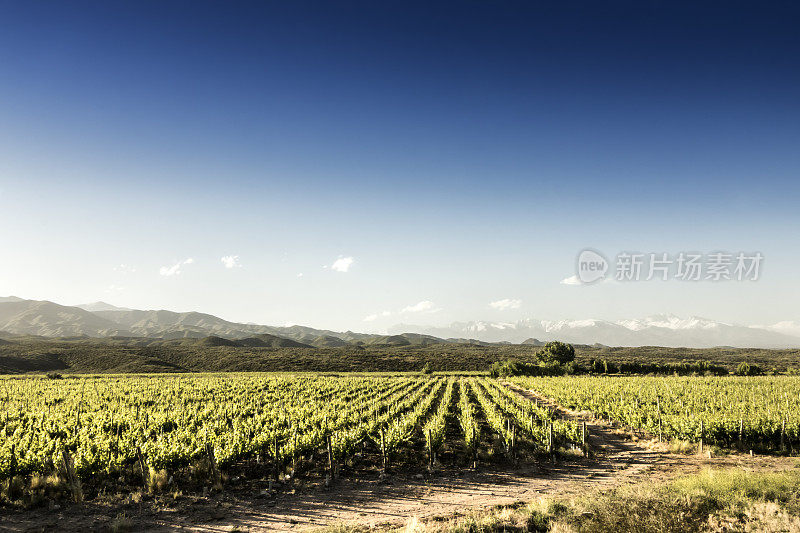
pixel 609 445
pixel 371 502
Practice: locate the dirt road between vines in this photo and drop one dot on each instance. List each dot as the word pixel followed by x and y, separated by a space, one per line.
pixel 615 460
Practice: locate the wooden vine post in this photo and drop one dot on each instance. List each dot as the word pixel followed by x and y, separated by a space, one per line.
pixel 329 446
pixel 513 440
pixel 783 435
pixel 583 438
pixel 741 433
pixel 142 466
pixel 474 447
pixel 383 450
pixel 12 470
pixel 277 456
pixel 294 450
pixel 216 476
pixel 72 477
pixel 430 449
pixel 658 407
pixel 701 436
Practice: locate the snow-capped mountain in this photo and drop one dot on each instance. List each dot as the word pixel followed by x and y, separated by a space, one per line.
pixel 656 330
pixel 48 319
pixel 787 327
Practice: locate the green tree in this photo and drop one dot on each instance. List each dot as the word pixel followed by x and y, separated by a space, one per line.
pixel 557 352
pixel 746 369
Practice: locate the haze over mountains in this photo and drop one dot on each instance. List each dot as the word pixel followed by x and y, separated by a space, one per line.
pixel 48 319
pixel 656 330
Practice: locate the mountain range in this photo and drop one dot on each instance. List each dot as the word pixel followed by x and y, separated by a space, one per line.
pixel 102 320
pixel 656 330
pixel 47 319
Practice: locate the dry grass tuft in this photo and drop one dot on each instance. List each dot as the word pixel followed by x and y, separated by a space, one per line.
pixel 121 524
pixel 157 480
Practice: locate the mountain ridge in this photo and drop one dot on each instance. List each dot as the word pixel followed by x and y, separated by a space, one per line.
pixel 48 319
pixel 101 306
pixel 656 330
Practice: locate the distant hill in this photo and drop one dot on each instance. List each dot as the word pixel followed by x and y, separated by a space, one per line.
pixel 389 340
pixel 404 339
pixel 213 340
pixel 265 340
pixel 103 320
pixel 474 342
pixel 31 317
pixel 101 306
pixel 217 354
pixel 533 342
pixel 169 324
pixel 328 341
pixel 142 328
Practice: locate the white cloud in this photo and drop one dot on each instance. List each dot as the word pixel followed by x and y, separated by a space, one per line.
pixel 171 270
pixel 231 261
pixel 425 306
pixel 370 318
pixel 175 269
pixel 124 269
pixel 342 264
pixel 505 303
pixel 300 275
pixel 114 289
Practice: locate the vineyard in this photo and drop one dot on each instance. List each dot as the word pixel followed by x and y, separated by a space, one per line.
pixel 743 412
pixel 141 427
pixel 196 431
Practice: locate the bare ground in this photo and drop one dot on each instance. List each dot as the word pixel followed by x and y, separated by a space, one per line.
pixel 373 502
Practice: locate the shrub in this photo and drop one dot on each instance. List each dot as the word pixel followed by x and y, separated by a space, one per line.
pixel 505 368
pixel 557 352
pixel 515 368
pixel 602 366
pixel 746 369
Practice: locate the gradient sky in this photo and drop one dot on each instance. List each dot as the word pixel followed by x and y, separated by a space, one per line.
pixel 459 153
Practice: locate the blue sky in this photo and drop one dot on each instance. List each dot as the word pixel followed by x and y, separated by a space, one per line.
pixel 460 153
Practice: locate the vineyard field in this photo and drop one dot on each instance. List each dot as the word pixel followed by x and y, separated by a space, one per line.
pixel 754 412
pixel 123 426
pixel 195 431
